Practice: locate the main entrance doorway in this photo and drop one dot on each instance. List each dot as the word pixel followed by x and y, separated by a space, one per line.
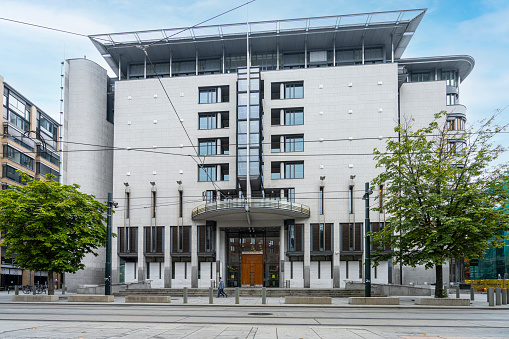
pixel 252 269
pixel 252 256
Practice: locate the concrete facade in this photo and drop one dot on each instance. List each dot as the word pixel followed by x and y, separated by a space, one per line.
pixel 191 204
pixel 85 125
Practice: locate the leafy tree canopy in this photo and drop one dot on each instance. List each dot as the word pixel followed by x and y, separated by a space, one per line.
pixel 50 227
pixel 442 197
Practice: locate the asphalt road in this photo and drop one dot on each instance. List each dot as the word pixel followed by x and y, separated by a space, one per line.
pixel 25 320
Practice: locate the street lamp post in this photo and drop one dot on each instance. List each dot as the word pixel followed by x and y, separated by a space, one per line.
pixel 367 251
pixel 107 271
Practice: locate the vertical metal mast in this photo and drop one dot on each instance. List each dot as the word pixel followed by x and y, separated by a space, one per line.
pixel 248 64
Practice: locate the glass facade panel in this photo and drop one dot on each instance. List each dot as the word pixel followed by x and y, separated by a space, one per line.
pixel 207 121
pixel 294 170
pixel 208 96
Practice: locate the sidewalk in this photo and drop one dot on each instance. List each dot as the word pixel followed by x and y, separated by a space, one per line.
pixel 405 301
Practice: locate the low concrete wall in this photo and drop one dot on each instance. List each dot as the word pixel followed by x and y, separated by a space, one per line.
pixel 391 290
pixel 373 301
pixel 147 299
pixel 35 298
pixel 115 288
pixel 442 301
pixel 90 298
pixel 308 300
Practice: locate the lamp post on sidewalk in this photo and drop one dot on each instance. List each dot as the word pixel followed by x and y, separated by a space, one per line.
pixel 367 250
pixel 107 271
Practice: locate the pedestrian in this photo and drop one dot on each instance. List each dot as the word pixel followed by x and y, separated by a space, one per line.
pixel 56 284
pixel 220 290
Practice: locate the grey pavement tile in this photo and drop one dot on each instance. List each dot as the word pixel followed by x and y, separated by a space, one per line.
pixel 296 332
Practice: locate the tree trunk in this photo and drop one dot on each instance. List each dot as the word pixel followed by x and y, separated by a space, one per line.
pixel 51 283
pixel 439 282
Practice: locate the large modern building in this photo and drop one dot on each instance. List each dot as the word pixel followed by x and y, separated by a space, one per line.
pixel 242 150
pixel 30 145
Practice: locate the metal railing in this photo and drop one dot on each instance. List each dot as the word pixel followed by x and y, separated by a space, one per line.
pixel 249 204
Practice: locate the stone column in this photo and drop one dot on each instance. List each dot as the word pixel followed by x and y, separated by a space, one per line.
pixel 336 282
pixel 194 256
pixel 307 255
pixel 167 256
pixel 141 257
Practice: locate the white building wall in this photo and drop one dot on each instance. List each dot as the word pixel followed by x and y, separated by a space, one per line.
pixel 85 122
pixel 156 274
pixel 130 272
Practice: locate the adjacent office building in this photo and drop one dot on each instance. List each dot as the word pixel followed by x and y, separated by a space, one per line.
pixel 30 145
pixel 242 151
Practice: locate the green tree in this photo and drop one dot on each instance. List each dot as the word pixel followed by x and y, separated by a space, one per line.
pixel 50 227
pixel 441 195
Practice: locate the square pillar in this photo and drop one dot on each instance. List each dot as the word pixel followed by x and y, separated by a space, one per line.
pixel 167 257
pixel 336 282
pixel 194 256
pixel 307 256
pixel 282 250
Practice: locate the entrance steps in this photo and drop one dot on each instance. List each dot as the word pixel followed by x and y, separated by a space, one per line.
pixel 250 292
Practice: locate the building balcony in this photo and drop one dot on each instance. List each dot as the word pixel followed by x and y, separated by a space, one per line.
pixel 256 208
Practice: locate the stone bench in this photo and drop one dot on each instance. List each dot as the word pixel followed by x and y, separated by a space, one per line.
pixel 373 301
pixel 442 301
pixel 308 300
pixel 147 299
pixel 35 298
pixel 90 298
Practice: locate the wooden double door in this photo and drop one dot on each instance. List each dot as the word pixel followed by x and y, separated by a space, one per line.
pixel 252 269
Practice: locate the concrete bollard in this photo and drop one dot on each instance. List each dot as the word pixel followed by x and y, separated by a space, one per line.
pixel 264 295
pixel 16 290
pixel 472 293
pixel 237 299
pixel 457 292
pixel 211 295
pixel 63 288
pixel 34 290
pixel 504 296
pixel 491 297
pixel 185 295
pixel 498 294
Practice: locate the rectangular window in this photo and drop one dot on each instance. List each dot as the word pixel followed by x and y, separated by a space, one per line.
pixel 351 238
pixel 207 173
pixel 420 76
pixel 289 194
pixel 294 143
pixel 180 239
pixel 225 172
pixel 294 170
pixel 210 196
pixel 350 199
pixel 275 144
pixel 294 117
pixel 207 147
pixel 206 234
pixel 321 236
pixel 321 200
pixel 181 204
pixel 449 77
pixel 295 237
pixel 208 95
pixel 127 205
pixel 127 239
pixel 207 120
pixel 275 170
pixel 18 157
pixel 451 99
pixel 294 90
pixel 154 239
pixel 153 204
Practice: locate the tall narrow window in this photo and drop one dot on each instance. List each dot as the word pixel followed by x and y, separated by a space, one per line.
pixel 322 237
pixel 321 200
pixel 350 199
pixel 127 205
pixel 351 237
pixel 181 202
pixel 153 204
pixel 381 197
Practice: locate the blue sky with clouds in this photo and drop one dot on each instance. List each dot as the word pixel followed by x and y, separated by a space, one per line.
pixel 30 57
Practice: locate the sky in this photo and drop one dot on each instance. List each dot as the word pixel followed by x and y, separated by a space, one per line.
pixel 30 57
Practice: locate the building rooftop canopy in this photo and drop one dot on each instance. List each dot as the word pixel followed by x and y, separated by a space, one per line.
pixel 387 29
